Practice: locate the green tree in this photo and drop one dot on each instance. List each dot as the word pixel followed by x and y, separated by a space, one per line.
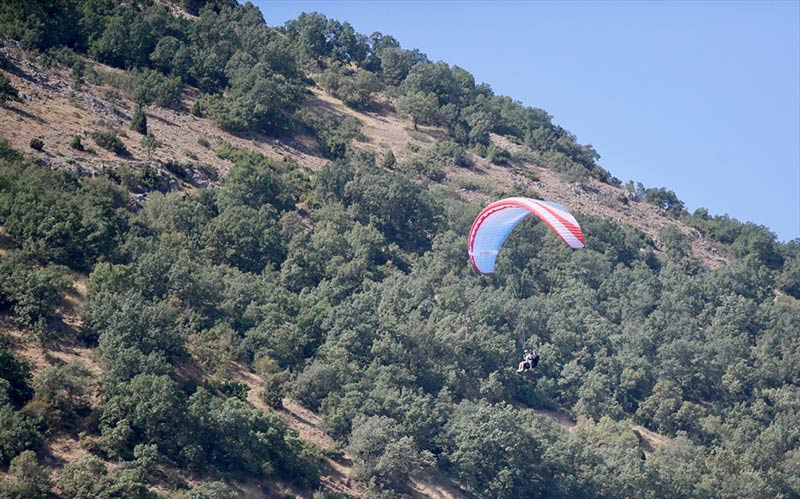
pixel 135 336
pixel 259 100
pixel 384 458
pixel 32 293
pixel 403 210
pixel 515 468
pixel 139 120
pixel 421 107
pixel 31 480
pixel 16 375
pixel 17 433
pixel 88 478
pixel 147 410
pixel 245 238
pixel 395 64
pixel 63 392
pixel 665 199
pixel 253 182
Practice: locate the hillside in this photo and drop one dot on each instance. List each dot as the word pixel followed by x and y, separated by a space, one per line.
pixel 260 286
pixel 54 111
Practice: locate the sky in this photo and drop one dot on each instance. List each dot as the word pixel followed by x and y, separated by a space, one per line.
pixel 702 98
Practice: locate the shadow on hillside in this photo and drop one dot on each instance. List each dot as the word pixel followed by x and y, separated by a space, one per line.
pixel 161 119
pixel 320 105
pixel 26 115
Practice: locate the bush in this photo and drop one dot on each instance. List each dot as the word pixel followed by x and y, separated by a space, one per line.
pixel 7 152
pixel 274 390
pixel 37 143
pixel 15 375
pixel 153 87
pixel 7 90
pixel 109 141
pixel 75 143
pixel 235 389
pixel 212 490
pixel 334 135
pixel 59 217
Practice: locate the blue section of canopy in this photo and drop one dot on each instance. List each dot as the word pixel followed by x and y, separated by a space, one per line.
pixel 493 232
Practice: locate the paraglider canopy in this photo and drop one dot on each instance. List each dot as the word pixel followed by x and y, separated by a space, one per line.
pixel 493 225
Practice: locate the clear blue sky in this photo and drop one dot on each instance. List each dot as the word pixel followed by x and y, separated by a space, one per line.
pixel 702 98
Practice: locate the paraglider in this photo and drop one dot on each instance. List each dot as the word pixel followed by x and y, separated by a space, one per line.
pixel 529 361
pixel 495 222
pixel 492 227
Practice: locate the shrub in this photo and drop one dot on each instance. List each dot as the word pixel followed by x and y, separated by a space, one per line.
pixel 109 141
pixel 8 152
pixel 75 143
pixel 37 143
pixel 139 120
pixel 17 433
pixel 153 87
pixel 235 389
pixel 198 108
pixel 7 90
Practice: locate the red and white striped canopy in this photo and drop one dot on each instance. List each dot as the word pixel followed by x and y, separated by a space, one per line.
pixel 493 225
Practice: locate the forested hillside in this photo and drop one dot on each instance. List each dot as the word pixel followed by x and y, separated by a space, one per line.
pixel 207 222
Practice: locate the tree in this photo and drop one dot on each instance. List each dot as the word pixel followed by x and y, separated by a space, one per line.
pixel 395 64
pixel 17 433
pixel 63 392
pixel 403 210
pixel 139 120
pixel 245 238
pixel 253 182
pixel 665 199
pixel 31 292
pixel 146 410
pixel 31 480
pixel 388 160
pixel 212 490
pixel 88 478
pixel 515 467
pixel 259 100
pixel 135 336
pixel 15 375
pixel 421 107
pixel 384 458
